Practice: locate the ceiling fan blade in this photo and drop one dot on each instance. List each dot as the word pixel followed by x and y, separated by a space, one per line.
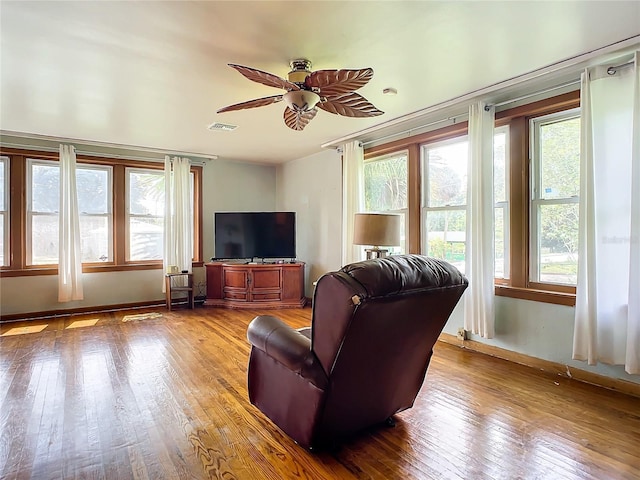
pixel 350 105
pixel 336 82
pixel 298 120
pixel 265 78
pixel 258 102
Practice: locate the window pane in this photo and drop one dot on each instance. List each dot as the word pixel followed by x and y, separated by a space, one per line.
pixel 4 161
pixel 94 238
pixel 558 258
pixel 501 221
pixel 44 239
pixel 446 236
pixel 93 190
pixel 3 176
pixel 146 238
pixel 500 244
pixel 447 171
pixel 499 167
pixel 385 184
pixel 45 188
pixel 560 159
pixel 2 220
pixel 146 193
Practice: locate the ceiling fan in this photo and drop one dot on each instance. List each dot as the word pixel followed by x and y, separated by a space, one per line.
pixel 331 90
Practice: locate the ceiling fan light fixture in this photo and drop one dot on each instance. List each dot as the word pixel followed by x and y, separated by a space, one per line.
pixel 301 100
pixel 300 70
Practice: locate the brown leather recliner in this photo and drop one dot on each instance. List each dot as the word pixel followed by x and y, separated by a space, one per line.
pixel 366 354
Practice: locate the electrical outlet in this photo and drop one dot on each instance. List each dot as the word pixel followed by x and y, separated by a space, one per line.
pixel 462 333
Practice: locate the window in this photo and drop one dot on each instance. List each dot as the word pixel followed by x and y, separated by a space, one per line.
pixel 555 188
pixel 444 216
pixel 93 185
pixel 444 207
pixel 4 214
pixel 536 178
pixel 121 208
pixel 385 191
pixel 501 198
pixel 145 214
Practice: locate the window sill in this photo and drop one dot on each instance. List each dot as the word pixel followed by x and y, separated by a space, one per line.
pixel 88 268
pixel 534 295
pixel 94 268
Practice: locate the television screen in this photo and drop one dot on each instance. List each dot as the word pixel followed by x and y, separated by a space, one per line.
pixel 255 234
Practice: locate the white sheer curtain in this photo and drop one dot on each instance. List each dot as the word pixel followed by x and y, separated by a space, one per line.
pixel 607 316
pixel 178 218
pixel 352 198
pixel 69 251
pixel 479 298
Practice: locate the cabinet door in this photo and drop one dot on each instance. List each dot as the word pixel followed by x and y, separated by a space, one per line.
pixel 236 278
pixel 215 281
pixel 265 279
pixel 293 282
pixel 236 284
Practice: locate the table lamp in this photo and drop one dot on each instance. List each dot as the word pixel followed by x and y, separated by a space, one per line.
pixel 377 230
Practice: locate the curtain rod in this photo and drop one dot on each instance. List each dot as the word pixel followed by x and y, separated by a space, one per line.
pixel 487 107
pixel 567 66
pixel 611 71
pixel 114 146
pixel 420 127
pixel 199 161
pixel 534 94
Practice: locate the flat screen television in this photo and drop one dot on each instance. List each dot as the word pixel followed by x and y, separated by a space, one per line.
pixel 251 235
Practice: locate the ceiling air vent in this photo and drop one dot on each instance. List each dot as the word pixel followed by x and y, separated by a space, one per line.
pixel 222 127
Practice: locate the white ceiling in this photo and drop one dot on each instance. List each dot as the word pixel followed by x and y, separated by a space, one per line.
pixel 153 74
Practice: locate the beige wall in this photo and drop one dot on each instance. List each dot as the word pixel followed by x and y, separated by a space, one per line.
pixel 312 187
pixel 225 186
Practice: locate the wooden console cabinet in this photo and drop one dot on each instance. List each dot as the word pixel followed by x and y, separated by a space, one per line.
pixel 277 285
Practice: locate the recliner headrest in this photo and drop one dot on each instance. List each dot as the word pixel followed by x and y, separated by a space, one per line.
pixel 403 273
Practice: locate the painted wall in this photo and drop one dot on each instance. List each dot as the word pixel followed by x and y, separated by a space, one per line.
pixel 231 186
pixel 312 187
pixel 226 186
pixel 537 329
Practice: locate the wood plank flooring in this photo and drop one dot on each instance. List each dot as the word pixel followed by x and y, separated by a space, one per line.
pixel 94 397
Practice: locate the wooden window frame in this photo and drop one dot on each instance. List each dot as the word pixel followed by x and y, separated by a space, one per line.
pixel 517 120
pixel 6 209
pixel 30 213
pixel 17 264
pixel 402 211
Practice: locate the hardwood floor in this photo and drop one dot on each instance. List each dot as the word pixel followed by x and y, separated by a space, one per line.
pixel 92 396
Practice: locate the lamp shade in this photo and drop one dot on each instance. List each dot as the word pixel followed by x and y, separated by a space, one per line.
pixel 377 229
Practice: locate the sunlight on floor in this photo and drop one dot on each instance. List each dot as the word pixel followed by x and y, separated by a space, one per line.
pixel 141 316
pixel 23 330
pixel 82 323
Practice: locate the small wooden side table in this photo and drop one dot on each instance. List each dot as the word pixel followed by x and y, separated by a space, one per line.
pixel 170 287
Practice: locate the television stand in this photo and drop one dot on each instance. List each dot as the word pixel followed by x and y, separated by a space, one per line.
pixel 255 285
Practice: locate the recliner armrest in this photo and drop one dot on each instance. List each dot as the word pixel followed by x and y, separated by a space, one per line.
pixel 286 345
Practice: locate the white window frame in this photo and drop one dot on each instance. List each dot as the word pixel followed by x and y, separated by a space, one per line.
pixel 425 207
pixel 129 216
pixel 535 200
pixel 30 213
pixel 4 212
pixel 109 212
pixel 504 205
